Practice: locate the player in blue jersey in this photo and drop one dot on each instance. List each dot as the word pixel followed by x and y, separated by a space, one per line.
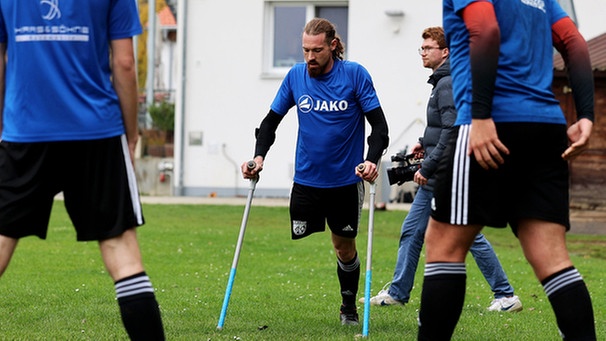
pixel 508 163
pixel 441 115
pixel 333 98
pixel 69 124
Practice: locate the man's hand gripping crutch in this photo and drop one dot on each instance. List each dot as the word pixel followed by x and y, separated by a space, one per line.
pixel 369 172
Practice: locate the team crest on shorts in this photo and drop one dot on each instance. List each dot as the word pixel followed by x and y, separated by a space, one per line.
pixel 299 227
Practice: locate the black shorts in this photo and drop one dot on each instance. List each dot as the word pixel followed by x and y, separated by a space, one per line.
pixel 96 177
pixel 531 184
pixel 311 208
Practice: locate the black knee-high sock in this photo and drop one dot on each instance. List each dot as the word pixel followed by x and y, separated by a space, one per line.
pixel 139 309
pixel 442 300
pixel 571 304
pixel 349 276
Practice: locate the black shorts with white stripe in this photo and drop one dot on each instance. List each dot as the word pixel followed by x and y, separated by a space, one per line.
pixel 531 184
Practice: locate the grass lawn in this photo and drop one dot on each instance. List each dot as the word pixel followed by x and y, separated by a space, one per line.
pixel 58 289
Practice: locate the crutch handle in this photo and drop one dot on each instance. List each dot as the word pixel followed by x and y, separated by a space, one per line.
pixel 361 167
pixel 252 165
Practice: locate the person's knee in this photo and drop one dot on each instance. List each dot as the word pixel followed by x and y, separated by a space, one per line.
pixel 447 243
pixel 121 255
pixel 345 249
pixel 7 248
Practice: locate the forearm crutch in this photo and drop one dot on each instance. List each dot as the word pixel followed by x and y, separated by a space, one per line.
pixel 371 217
pixel 232 274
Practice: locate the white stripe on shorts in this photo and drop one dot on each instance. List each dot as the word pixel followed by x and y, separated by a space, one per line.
pixel 132 181
pixel 459 200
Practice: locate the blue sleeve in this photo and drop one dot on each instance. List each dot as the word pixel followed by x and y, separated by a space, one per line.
pixel 459 5
pixel 365 90
pixel 556 12
pixel 124 20
pixel 284 99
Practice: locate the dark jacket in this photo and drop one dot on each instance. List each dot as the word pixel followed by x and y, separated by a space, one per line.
pixel 441 115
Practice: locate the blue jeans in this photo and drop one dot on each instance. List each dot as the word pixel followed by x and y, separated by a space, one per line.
pixel 411 243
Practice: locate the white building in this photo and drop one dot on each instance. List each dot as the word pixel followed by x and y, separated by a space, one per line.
pixel 232 56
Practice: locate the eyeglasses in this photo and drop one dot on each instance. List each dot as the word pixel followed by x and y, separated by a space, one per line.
pixel 427 49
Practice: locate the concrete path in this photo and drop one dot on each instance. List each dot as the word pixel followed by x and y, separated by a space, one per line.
pixel 582 221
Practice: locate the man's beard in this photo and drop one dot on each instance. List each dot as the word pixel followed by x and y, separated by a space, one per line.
pixel 316 72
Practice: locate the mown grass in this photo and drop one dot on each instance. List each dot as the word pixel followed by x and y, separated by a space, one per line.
pixel 58 289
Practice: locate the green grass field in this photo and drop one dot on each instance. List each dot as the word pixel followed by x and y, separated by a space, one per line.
pixel 58 289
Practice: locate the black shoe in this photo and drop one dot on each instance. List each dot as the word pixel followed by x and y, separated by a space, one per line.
pixel 349 316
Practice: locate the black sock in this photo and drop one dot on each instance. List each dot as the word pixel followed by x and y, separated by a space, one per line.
pixel 139 309
pixel 349 276
pixel 442 300
pixel 571 304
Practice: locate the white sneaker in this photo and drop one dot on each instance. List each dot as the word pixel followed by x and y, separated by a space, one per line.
pixel 509 304
pixel 382 299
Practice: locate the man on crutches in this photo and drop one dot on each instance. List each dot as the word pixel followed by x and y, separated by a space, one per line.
pixel 333 98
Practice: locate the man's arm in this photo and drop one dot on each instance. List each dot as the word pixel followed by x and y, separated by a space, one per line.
pixel 448 116
pixel 266 133
pixel 265 136
pixel 378 140
pixel 484 44
pixel 124 77
pixel 573 47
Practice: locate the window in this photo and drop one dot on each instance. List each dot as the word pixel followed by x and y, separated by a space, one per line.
pixel 284 25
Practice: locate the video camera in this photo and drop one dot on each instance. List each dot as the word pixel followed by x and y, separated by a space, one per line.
pixel 405 170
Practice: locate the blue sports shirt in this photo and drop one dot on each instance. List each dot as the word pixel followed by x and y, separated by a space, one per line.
pixel 330 110
pixel 525 70
pixel 58 77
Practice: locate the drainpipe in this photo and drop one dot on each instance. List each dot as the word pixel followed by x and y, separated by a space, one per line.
pixel 180 118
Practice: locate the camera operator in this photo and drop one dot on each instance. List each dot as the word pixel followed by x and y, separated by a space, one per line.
pixel 441 115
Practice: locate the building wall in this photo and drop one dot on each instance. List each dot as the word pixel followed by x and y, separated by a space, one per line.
pixel 225 95
pixel 222 95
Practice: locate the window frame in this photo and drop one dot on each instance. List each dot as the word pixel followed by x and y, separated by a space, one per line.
pixel 268 69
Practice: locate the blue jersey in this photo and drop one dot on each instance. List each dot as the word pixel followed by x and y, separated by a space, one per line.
pixel 523 88
pixel 58 77
pixel 330 110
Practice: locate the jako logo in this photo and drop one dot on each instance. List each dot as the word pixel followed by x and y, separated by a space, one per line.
pixel 53 10
pixel 306 104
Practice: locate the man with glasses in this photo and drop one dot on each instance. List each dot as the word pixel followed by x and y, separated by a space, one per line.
pixel 441 115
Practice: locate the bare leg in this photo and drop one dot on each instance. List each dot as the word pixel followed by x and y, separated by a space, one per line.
pixel 7 248
pixel 121 255
pixel 138 306
pixel 544 245
pixel 448 243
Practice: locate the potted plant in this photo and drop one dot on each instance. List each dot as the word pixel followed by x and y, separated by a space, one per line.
pixel 159 140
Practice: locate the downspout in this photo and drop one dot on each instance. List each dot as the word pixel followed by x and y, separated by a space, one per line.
pixel 182 40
